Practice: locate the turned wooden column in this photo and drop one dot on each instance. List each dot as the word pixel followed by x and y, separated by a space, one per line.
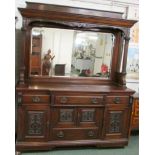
pixel 23 75
pixel 121 53
pixel 22 61
pixel 122 59
pixel 127 38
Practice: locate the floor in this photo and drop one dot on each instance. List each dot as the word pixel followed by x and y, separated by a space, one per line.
pixel 131 149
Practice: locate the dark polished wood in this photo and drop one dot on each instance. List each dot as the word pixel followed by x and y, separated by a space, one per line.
pixel 68 111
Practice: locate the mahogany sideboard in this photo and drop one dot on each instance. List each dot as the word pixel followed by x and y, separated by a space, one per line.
pixel 73 111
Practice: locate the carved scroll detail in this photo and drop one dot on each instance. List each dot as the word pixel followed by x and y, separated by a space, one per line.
pixel 66 115
pixel 115 122
pixel 35 123
pixel 87 116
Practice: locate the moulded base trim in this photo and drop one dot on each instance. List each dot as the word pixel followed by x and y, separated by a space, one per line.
pixel 27 146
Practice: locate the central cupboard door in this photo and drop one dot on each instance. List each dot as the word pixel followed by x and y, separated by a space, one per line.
pixel 70 123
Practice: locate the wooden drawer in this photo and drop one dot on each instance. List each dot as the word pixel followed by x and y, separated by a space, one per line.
pixel 36 98
pixel 74 134
pixel 79 100
pixel 117 99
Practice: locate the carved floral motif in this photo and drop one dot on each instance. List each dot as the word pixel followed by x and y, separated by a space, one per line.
pixel 115 122
pixel 35 123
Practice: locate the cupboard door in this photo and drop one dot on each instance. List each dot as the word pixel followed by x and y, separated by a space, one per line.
pixel 69 117
pixel 117 121
pixel 64 117
pixel 90 117
pixel 35 122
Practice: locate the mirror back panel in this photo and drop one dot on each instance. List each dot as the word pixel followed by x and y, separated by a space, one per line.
pixel 71 53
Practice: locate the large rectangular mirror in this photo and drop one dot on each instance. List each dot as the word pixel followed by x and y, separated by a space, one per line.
pixel 73 53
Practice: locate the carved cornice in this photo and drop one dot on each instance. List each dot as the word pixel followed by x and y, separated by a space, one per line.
pixel 74 16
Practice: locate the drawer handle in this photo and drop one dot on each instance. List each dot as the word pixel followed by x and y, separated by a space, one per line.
pixel 94 100
pixel 91 133
pixel 63 99
pixel 36 99
pixel 60 134
pixel 117 100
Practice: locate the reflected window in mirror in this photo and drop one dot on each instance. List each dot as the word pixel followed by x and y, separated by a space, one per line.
pixel 72 53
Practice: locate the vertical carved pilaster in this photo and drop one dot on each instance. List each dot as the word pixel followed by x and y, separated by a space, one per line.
pixel 22 76
pixel 23 58
pixel 22 61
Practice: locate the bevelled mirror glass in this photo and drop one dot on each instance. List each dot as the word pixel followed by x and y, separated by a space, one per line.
pixel 73 53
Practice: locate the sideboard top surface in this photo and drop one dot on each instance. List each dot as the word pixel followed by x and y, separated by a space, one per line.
pixel 78 88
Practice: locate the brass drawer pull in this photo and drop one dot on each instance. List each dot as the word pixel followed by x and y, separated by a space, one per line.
pixel 94 100
pixel 60 134
pixel 117 100
pixel 91 133
pixel 63 99
pixel 36 99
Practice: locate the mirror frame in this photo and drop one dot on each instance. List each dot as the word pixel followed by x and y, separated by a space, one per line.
pixel 51 16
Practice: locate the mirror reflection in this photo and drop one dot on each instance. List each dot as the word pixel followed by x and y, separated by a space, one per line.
pixel 62 52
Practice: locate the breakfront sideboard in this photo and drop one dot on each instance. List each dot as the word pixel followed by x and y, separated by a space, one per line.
pixel 90 106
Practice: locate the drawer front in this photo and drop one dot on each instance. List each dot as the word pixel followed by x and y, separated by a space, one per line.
pixel 80 100
pixel 74 134
pixel 117 99
pixel 36 98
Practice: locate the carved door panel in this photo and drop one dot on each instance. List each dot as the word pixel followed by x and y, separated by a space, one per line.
pixel 63 117
pixel 90 117
pixel 116 122
pixel 35 122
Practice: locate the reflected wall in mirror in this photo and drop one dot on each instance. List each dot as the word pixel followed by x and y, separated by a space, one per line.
pixel 74 53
